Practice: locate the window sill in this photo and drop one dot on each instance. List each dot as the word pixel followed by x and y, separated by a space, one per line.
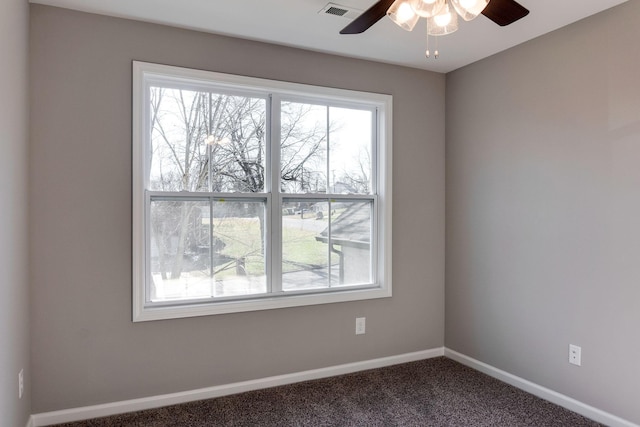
pixel 149 313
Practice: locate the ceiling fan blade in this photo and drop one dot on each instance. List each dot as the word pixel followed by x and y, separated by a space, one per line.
pixel 368 18
pixel 505 12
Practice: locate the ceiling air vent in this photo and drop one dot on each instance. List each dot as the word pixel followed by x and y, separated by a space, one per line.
pixel 339 10
pixel 336 11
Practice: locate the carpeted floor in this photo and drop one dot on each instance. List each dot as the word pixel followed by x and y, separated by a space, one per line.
pixel 433 392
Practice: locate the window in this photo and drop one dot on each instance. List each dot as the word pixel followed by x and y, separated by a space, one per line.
pixel 250 194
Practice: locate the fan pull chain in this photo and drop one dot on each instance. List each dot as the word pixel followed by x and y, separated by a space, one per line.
pixel 428 52
pixel 436 53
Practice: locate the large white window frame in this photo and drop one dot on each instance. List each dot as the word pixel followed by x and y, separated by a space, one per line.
pixel 147 74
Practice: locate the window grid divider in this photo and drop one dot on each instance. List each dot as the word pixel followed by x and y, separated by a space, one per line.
pixel 276 221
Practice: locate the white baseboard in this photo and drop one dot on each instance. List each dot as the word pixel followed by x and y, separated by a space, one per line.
pixel 121 407
pixel 107 409
pixel 540 391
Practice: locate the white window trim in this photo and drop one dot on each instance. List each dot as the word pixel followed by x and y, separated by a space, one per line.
pixel 144 72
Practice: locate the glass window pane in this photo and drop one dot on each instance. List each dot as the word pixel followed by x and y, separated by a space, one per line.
pixel 350 156
pixel 239 247
pixel 203 141
pixel 179 250
pixel 194 254
pixel 305 258
pixel 303 148
pixel 350 239
pixel 326 244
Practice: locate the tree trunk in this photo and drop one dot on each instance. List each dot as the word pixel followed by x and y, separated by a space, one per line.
pixel 176 269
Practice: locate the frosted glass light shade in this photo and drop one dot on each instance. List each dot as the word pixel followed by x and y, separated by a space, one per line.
pixel 469 9
pixel 403 15
pixel 445 22
pixel 427 8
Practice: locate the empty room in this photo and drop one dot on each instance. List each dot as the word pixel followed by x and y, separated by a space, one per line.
pixel 302 213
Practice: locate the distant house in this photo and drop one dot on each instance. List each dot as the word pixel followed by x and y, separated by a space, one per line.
pixel 351 231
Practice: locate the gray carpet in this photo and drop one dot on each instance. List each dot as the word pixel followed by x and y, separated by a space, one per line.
pixel 433 392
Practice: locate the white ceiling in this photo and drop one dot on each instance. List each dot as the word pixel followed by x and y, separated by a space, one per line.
pixel 298 23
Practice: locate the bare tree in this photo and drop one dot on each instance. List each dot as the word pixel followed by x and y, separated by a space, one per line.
pixel 358 178
pixel 302 149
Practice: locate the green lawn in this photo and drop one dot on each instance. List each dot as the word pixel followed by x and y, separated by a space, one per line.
pixel 242 239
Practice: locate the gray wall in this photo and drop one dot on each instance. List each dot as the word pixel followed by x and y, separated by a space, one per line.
pixel 543 210
pixel 86 350
pixel 14 303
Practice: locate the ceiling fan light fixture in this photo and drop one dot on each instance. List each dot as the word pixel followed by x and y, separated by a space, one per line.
pixel 469 9
pixel 427 8
pixel 445 22
pixel 403 15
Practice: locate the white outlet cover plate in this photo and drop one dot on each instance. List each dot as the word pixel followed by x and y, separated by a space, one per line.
pixel 575 355
pixel 360 325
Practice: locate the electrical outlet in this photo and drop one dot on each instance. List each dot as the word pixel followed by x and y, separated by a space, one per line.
pixel 360 325
pixel 20 383
pixel 575 355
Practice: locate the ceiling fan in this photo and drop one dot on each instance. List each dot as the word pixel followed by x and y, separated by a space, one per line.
pixel 502 12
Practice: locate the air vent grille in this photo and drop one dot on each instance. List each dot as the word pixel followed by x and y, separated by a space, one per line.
pixel 336 11
pixel 340 10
